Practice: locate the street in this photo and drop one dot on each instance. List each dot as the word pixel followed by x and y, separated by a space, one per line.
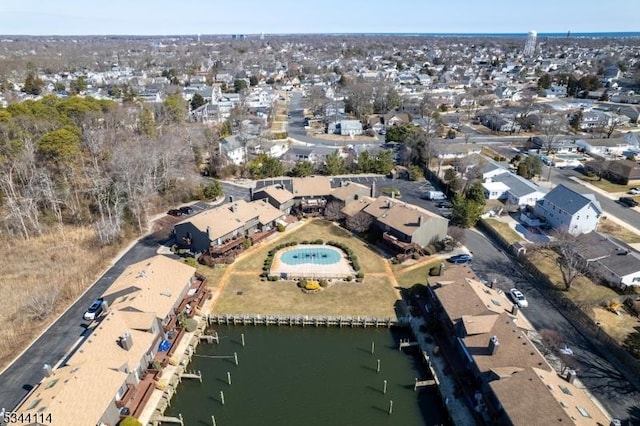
pixel 616 394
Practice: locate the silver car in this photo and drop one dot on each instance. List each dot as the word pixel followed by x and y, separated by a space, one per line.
pixel 518 298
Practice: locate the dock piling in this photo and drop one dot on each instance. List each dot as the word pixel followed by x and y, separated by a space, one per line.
pixel 235 357
pixel 222 397
pixel 213 420
pixel 378 367
pixel 390 406
pixel 229 378
pixel 384 387
pixel 373 347
pixel 242 338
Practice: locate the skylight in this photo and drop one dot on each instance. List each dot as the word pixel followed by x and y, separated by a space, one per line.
pixel 565 390
pixel 583 412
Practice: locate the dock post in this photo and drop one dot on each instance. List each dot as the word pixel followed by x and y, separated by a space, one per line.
pixel 384 387
pixel 242 338
pixel 373 347
pixel 213 420
pixel 200 375
pixel 378 367
pixel 181 420
pixel 222 397
pixel 415 387
pixel 390 406
pixel 229 378
pixel 216 338
pixel 235 357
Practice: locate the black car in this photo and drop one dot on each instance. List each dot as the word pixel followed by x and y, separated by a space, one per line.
pixel 186 210
pixel 175 212
pixel 628 201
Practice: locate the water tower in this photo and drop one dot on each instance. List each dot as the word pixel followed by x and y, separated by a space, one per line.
pixel 530 44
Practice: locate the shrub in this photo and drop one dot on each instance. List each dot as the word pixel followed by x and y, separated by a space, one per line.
pixel 324 283
pixel 129 421
pixel 360 275
pixel 302 284
pixel 434 271
pixel 349 278
pixel 191 261
pixel 312 285
pixel 155 365
pixel 247 243
pixel 318 241
pixel 415 256
pixel 280 227
pixel 229 260
pixel 190 325
pixel 304 242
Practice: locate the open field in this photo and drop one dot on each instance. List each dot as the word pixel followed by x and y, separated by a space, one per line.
pixel 41 277
pixel 408 276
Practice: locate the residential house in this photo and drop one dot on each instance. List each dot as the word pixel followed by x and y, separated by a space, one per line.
pixel 555 91
pixel 569 211
pixel 623 172
pixel 615 262
pixel 222 231
pixel 406 227
pixel 349 127
pixel 349 191
pixel 521 192
pixel 278 196
pixel 234 148
pixel 311 193
pixel 605 147
pixel 107 376
pixel 316 154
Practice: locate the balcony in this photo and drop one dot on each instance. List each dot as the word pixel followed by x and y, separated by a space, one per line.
pixel 136 397
pixel 226 246
pixel 395 243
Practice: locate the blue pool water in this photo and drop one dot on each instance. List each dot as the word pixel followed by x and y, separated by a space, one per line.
pixel 316 255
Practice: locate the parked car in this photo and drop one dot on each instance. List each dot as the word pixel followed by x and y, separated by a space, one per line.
pixel 175 212
pixel 445 205
pixel 460 258
pixel 435 195
pixel 94 310
pixel 634 191
pixel 186 209
pixel 628 201
pixel 518 298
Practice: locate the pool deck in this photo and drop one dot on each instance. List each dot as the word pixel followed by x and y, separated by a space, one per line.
pixel 340 269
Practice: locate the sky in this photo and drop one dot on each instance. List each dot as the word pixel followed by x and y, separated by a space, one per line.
pixel 162 17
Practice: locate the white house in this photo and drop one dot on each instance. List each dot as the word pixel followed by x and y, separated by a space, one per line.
pixel 495 190
pixel 521 192
pixel 566 210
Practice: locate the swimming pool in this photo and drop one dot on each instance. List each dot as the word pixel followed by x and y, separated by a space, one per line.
pixel 314 255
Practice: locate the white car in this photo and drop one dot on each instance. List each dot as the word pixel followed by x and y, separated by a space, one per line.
pixel 518 298
pixel 634 191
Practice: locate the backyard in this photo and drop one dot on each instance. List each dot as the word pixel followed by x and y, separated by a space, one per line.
pixel 244 291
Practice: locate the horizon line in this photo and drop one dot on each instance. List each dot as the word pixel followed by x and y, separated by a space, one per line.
pixel 414 33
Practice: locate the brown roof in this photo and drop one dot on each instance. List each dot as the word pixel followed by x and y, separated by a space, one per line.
pixel 152 285
pixel 312 186
pixel 225 219
pixel 556 401
pixel 76 392
pixel 625 168
pixel 279 194
pixel 356 206
pixel 514 349
pixel 349 190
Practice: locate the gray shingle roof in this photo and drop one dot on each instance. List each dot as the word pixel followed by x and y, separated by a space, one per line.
pixel 569 200
pixel 518 186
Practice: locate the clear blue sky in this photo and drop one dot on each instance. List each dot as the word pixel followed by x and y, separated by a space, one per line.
pixel 80 17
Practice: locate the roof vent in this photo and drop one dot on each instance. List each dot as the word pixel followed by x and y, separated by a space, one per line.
pixel 142 274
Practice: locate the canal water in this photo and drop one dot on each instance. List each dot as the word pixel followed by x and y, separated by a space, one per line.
pixel 311 376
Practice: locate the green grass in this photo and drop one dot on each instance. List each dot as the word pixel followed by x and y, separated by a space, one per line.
pixel 510 235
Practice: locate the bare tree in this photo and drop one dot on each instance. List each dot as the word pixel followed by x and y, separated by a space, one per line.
pixel 550 127
pixel 360 222
pixel 570 262
pixel 332 210
pixel 456 234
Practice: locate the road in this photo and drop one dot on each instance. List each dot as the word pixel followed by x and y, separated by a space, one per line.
pixel 601 378
pixel 51 347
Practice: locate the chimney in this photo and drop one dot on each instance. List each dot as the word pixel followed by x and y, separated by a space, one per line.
pixel 250 194
pixel 209 233
pixel 373 189
pixel 514 309
pixel 441 270
pixel 105 307
pixel 571 376
pixel 47 370
pixel 420 220
pixel 125 341
pixel 493 345
pixel 389 204
pixel 231 199
pixel 233 206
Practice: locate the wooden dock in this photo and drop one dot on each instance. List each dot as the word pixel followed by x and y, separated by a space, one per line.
pixel 406 343
pixel 173 420
pixel 424 383
pixel 303 321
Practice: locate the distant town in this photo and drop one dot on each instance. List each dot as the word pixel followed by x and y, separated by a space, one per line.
pixel 479 192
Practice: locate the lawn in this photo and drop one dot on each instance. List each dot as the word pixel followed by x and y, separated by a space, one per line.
pixel 509 234
pixel 613 229
pixel 590 297
pixel 213 274
pixel 408 276
pixel 605 185
pixel 313 229
pixel 243 294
